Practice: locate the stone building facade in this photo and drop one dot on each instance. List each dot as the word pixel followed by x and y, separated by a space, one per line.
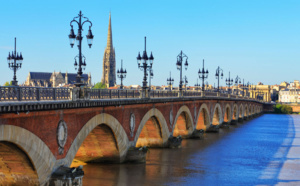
pixel 55 79
pixel 109 61
pixel 289 96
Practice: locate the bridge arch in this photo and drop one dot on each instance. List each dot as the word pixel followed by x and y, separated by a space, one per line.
pixel 241 113
pixel 217 118
pixel 100 122
pixel 183 122
pixel 153 118
pixel 36 150
pixel 227 114
pixel 235 112
pixel 245 110
pixel 203 118
pixel 249 110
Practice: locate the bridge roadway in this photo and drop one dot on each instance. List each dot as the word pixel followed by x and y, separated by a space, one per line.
pixel 41 137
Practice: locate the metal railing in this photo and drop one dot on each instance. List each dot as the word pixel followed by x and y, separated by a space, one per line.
pixel 163 93
pixel 191 93
pixel 33 93
pixel 113 94
pixel 9 93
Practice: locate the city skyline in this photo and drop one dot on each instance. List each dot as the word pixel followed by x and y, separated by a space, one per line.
pixel 256 40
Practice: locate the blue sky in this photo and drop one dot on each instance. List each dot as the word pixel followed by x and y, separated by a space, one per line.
pixel 257 40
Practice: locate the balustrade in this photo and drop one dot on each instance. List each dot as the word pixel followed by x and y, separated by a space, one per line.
pixel 9 93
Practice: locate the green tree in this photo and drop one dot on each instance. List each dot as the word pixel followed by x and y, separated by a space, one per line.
pixel 7 83
pixel 99 85
pixel 283 109
pixel 286 109
pixel 277 108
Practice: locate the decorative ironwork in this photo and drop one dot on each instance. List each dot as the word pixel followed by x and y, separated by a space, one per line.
pixel 121 74
pixel 13 93
pixel 79 38
pixel 179 65
pixel 144 66
pixel 229 82
pixel 237 82
pixel 170 81
pixel 202 75
pixel 15 63
pixel 219 73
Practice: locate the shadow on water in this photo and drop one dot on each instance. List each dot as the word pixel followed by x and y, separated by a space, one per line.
pixel 239 155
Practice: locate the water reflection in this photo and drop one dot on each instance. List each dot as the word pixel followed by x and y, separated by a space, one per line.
pixel 235 156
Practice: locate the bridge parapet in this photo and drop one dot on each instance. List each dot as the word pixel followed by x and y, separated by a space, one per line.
pixel 24 99
pixel 34 94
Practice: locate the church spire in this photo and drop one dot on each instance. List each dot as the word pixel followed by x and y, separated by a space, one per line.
pixel 109 61
pixel 109 35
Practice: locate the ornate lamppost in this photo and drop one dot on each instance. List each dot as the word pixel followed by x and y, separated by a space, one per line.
pixel 150 77
pixel 170 81
pixel 121 74
pixel 15 63
pixel 247 88
pixel 179 65
pixel 185 80
pixel 202 75
pixel 243 87
pixel 79 38
pixel 197 85
pixel 237 81
pixel 219 72
pixel 144 66
pixel 229 82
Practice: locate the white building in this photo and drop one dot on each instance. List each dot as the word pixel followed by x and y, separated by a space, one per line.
pixel 289 96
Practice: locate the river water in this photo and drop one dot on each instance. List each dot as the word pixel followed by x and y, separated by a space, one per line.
pixel 263 151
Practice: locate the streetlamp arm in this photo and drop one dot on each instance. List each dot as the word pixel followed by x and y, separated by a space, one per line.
pixel 73 21
pixel 87 21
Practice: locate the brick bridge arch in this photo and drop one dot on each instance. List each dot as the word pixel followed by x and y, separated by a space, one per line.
pixel 98 120
pixel 183 124
pixel 241 113
pixel 36 150
pixel 235 112
pixel 249 110
pixel 157 116
pixel 227 114
pixel 246 111
pixel 203 118
pixel 217 116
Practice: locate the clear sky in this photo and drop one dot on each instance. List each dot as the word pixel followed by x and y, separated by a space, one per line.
pixel 259 40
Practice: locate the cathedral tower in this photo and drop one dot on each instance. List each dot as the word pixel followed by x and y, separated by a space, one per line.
pixel 109 61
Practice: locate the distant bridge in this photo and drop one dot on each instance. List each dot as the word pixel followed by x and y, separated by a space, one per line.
pixel 56 127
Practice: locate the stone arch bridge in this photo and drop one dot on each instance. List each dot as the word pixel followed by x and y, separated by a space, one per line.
pixel 38 136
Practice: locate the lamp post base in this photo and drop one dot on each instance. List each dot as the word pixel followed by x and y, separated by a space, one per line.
pixel 14 83
pixel 80 84
pixel 145 94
